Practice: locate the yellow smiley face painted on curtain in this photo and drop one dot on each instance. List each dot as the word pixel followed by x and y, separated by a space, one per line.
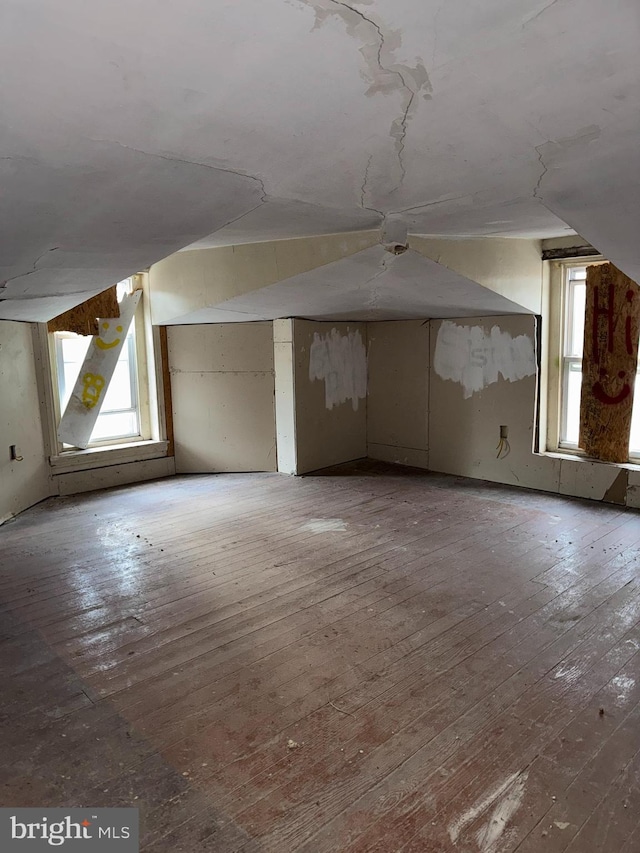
pixel 106 331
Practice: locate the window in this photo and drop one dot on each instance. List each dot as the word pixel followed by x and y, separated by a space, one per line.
pixel 119 415
pixel 122 415
pixel 570 380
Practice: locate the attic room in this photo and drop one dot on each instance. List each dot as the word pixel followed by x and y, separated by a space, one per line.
pixel 319 428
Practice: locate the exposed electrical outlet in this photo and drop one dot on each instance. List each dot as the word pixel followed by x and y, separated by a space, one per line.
pixel 504 432
pixel 14 453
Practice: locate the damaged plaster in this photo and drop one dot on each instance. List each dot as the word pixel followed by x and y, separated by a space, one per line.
pixel 384 73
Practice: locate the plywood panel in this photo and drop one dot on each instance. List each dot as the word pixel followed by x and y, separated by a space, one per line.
pixel 83 319
pixel 609 362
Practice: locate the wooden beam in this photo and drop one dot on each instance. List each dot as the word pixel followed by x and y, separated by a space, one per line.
pixel 83 319
pixel 166 385
pixel 571 252
pixel 609 363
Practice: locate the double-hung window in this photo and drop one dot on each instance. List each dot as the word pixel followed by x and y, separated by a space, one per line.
pixel 122 415
pixel 573 300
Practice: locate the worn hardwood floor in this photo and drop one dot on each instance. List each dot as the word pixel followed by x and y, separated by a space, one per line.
pixel 369 660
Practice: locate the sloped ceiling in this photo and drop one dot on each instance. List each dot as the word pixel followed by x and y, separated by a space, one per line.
pixel 373 284
pixel 130 130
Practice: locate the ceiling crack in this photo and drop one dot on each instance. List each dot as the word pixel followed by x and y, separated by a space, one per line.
pixel 402 136
pixel 429 204
pixel 537 14
pixel 33 269
pixel 544 171
pixel 399 126
pixel 264 196
pixel 363 190
pixel 172 159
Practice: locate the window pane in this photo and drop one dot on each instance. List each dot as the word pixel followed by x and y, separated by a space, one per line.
pixel 577 273
pixel 576 332
pixel 573 385
pixel 115 425
pixel 118 395
pixel 73 353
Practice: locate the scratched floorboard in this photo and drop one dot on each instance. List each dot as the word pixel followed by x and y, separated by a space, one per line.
pixel 365 661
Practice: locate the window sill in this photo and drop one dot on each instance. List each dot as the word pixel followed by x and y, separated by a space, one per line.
pixel 103 457
pixel 567 455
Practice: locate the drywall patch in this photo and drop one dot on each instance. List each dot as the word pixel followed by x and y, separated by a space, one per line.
pixel 341 361
pixel 475 359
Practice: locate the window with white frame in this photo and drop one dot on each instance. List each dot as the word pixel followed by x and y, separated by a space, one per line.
pixel 122 415
pixel 574 290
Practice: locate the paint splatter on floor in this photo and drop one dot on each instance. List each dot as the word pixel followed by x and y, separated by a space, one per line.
pixel 324 525
pixel 505 799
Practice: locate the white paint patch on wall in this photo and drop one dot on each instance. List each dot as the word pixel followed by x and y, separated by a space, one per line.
pixel 475 359
pixel 341 360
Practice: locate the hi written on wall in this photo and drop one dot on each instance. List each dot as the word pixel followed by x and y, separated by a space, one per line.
pixel 609 363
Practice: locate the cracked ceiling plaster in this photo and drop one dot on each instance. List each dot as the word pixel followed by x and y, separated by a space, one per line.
pixel 129 131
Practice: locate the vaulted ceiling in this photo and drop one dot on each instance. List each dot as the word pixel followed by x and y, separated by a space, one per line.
pixel 131 130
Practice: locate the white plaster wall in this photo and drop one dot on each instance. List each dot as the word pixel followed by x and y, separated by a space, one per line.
pixel 465 431
pixel 327 432
pixel 190 281
pixel 398 401
pixel 510 267
pixel 22 484
pixel 222 385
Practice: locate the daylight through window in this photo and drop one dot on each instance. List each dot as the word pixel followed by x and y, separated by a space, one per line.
pixel 119 416
pixel 575 289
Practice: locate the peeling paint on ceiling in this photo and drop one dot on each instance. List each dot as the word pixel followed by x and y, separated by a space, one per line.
pixel 129 131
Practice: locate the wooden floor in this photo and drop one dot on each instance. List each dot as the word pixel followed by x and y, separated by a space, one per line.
pixel 369 660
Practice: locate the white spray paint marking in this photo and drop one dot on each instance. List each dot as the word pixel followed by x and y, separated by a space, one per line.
pixel 324 525
pixel 341 360
pixel 475 359
pixel 624 684
pixel 568 673
pixel 513 788
pixel 488 836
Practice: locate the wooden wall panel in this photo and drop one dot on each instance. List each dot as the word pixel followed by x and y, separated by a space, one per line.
pixel 83 319
pixel 610 357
